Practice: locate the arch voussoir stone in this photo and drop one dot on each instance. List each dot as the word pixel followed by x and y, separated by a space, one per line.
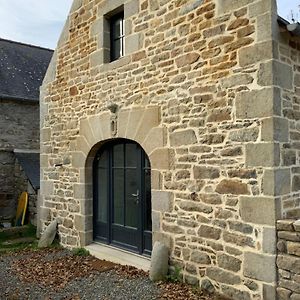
pixel 142 125
pixel 86 131
pixel 134 121
pixel 156 138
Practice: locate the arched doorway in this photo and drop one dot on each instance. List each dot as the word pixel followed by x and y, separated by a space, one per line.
pixel 122 196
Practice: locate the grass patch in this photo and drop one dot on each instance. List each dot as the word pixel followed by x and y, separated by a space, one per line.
pixel 19 238
pixel 80 252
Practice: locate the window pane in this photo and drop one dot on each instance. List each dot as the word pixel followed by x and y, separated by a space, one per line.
pixel 118 156
pixel 147 162
pixel 116 49
pixel 148 218
pixel 131 155
pixel 131 201
pixel 103 159
pixel 102 195
pixel 118 203
pixel 117 28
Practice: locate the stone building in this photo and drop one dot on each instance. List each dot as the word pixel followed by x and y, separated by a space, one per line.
pixel 175 121
pixel 22 69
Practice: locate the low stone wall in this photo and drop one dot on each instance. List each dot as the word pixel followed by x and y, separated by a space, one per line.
pixel 13 181
pixel 8 202
pixel 288 259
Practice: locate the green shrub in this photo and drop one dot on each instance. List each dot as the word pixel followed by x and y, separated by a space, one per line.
pixel 175 275
pixel 80 252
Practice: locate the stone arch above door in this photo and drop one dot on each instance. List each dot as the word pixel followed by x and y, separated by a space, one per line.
pixel 142 125
pixel 137 124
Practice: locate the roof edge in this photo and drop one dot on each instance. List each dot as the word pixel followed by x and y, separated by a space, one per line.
pixel 18 98
pixel 293 28
pixel 24 44
pixel 26 150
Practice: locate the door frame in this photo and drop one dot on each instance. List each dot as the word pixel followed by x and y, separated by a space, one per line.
pixel 142 233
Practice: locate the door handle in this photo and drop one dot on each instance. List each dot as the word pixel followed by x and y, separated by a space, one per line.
pixel 137 196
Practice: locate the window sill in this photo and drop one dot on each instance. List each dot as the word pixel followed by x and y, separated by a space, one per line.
pixel 122 61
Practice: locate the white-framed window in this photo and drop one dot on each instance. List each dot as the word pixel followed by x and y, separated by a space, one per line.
pixel 117 36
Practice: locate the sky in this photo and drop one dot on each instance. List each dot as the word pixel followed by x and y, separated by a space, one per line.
pixel 286 6
pixel 36 22
pixel 40 22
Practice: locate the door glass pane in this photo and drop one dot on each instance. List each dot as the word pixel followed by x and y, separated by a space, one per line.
pixel 147 162
pixel 103 159
pixel 148 218
pixel 102 195
pixel 132 202
pixel 118 194
pixel 118 156
pixel 131 155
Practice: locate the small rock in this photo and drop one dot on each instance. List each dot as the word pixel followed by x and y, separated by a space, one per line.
pixel 48 235
pixel 207 286
pixel 159 262
pixel 297 226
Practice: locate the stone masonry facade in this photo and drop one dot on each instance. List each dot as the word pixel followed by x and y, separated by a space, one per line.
pixel 19 129
pixel 288 53
pixel 288 259
pixel 209 89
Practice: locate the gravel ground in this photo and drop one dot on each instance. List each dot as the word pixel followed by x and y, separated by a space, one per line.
pixel 36 274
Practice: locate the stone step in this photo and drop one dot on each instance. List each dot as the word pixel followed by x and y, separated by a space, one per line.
pixel 119 256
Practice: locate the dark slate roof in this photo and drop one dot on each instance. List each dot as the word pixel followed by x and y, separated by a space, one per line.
pixel 30 163
pixel 22 69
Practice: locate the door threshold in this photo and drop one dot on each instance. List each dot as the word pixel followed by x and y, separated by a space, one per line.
pixel 119 256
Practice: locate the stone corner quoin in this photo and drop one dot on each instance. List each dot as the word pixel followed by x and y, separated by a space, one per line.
pixel 210 91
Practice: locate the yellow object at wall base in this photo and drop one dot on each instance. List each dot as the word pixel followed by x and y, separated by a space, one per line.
pixel 21 209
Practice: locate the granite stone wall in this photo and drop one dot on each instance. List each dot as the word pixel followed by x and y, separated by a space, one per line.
pixel 7 181
pixel 19 129
pixel 288 259
pixel 287 123
pixel 195 90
